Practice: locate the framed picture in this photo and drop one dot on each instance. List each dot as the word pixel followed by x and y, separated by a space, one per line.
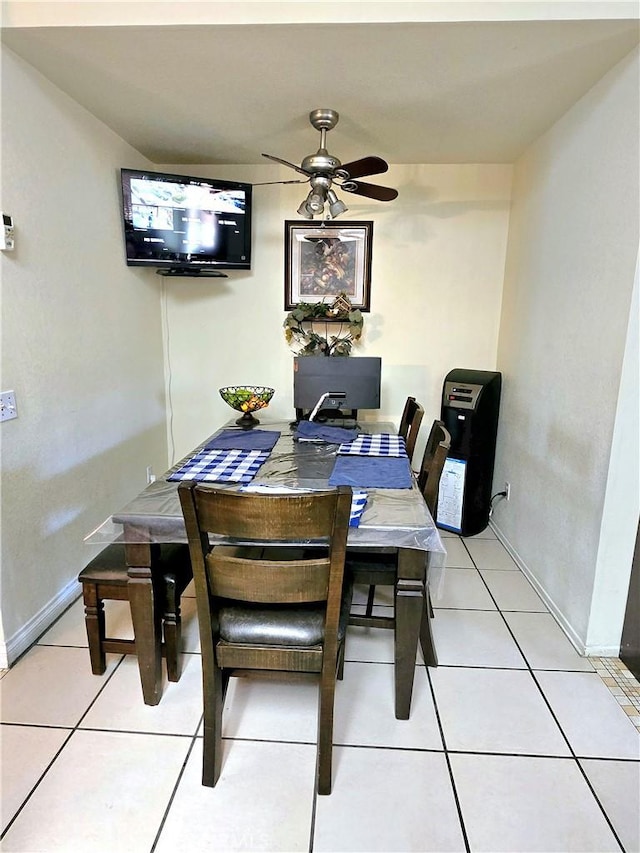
pixel 322 261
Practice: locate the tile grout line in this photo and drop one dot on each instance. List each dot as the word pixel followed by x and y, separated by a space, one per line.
pixel 454 789
pixel 165 815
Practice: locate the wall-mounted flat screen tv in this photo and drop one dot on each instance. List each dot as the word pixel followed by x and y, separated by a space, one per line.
pixel 185 225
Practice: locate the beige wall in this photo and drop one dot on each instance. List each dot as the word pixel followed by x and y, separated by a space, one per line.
pixel 437 270
pixel 81 347
pixel 573 244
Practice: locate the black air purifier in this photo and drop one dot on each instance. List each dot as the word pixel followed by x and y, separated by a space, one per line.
pixel 470 406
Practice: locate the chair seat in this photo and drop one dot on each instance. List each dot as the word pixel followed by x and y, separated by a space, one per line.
pixel 274 625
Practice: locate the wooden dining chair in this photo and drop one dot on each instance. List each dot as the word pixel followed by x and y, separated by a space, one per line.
pixel 378 567
pixel 106 578
pixel 410 424
pixel 435 455
pixel 271 610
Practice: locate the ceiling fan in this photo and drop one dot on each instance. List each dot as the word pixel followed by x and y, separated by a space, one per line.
pixel 322 170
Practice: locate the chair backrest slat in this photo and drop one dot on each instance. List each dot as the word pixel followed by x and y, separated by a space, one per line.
pixel 265 517
pixel 268 581
pixel 410 424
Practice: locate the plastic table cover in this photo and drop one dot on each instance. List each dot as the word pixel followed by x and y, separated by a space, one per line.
pixel 396 518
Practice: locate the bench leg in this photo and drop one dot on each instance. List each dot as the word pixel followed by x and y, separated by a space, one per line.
pixel 94 621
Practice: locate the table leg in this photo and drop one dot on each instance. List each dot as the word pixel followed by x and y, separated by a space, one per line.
pixel 146 621
pixel 409 607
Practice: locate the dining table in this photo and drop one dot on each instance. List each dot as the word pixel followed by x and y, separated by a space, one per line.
pixel 395 518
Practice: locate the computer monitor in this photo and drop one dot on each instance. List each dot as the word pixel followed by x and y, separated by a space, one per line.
pixel 355 380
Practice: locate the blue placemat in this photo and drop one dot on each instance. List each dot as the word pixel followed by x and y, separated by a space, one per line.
pixel 243 439
pixel 377 444
pixel 311 431
pixel 221 466
pixel 373 472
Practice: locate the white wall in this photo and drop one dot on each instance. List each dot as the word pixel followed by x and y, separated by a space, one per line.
pixel 23 13
pixel 621 504
pixel 437 271
pixel 81 347
pixel 573 244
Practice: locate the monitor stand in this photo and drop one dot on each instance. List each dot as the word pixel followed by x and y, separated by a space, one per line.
pixel 177 271
pixel 347 418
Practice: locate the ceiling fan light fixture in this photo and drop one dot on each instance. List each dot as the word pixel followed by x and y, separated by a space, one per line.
pixel 315 201
pixel 336 206
pixel 304 211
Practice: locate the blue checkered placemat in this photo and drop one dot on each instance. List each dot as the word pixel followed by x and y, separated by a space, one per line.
pixel 378 444
pixel 221 466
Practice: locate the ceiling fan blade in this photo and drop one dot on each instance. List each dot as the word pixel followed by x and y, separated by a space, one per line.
pixel 286 163
pixel 370 190
pixel 365 166
pixel 269 183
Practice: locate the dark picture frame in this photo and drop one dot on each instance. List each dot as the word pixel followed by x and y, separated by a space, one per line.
pixel 324 260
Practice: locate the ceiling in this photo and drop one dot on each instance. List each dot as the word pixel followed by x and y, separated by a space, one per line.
pixel 431 92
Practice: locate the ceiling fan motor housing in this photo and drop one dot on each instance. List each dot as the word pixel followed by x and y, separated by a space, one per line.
pixel 320 162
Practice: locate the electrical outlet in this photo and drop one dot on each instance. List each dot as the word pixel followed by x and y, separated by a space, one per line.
pixel 507 489
pixel 151 477
pixel 8 407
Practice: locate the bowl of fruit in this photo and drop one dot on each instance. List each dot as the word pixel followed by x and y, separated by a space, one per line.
pixel 247 399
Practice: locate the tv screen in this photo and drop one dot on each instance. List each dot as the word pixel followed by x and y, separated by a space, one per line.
pixel 185 225
pixel 356 379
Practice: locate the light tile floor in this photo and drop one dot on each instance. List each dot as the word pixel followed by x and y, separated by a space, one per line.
pixel 515 742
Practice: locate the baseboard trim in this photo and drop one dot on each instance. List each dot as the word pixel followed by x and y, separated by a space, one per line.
pixel 603 651
pixel 23 639
pixel 566 627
